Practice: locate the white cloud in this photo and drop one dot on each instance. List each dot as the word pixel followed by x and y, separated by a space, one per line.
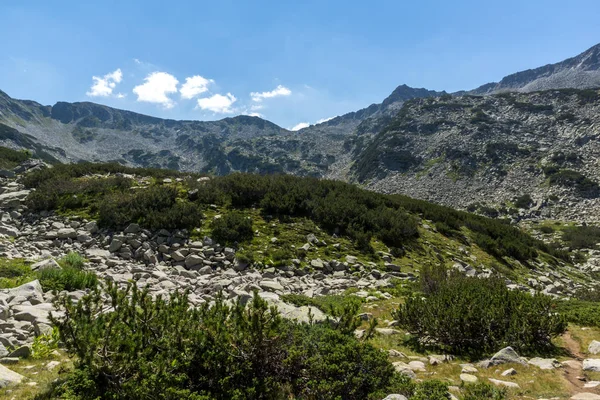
pixel 121 95
pixel 256 107
pixel 103 86
pixel 218 103
pixel 156 88
pixel 194 86
pixel 301 125
pixel 278 91
pixel 254 114
pixel 325 120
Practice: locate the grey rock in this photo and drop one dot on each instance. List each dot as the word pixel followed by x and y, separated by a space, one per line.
pixel 9 377
pixel 594 347
pixel 591 364
pixel 506 356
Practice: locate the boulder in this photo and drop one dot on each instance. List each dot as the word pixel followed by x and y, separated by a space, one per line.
pixel 498 382
pixel 270 286
pixel 31 291
pixel 404 369
pixel 594 347
pixel 545 363
pixel 509 372
pixel 45 264
pixel 586 396
pixel 591 364
pixel 115 245
pixel 67 233
pixel 21 352
pixel 468 378
pixel 193 260
pixel 507 356
pixel 9 377
pixel 395 397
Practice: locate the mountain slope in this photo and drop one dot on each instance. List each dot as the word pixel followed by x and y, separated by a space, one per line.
pixel 579 72
pixel 465 150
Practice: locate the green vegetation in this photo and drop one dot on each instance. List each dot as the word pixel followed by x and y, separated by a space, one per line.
pixel 69 277
pixel 163 349
pixel 581 237
pixel 524 201
pixel 10 158
pixel 484 391
pixel 466 315
pixel 580 312
pixel 336 207
pixel 231 228
pixel 569 178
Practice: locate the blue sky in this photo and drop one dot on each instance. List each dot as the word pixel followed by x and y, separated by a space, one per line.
pixel 290 62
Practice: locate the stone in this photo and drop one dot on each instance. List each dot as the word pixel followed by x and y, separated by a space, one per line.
pixel 270 286
pixel 9 377
pixel 115 245
pixel 404 369
pixel 468 378
pixel 351 259
pixel 9 231
pixel 396 353
pixel 594 347
pixel 21 352
pixel 31 291
pixel 395 397
pixel 545 363
pixel 507 356
pixel 469 369
pixel 45 264
pixel 509 372
pixel 392 267
pixel 52 364
pixel 591 364
pixel 317 264
pixel 132 228
pixel 67 233
pixel 498 382
pixel 387 331
pixel 586 396
pixel 193 260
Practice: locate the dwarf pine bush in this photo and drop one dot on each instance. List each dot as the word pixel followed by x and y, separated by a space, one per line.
pixel 467 315
pixel 162 349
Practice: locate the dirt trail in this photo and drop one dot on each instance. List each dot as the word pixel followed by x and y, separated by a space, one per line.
pixel 573 368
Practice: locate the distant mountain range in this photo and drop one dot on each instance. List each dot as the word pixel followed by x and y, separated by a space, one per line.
pixel 480 146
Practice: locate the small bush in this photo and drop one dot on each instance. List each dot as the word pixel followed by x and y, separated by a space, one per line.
pixel 524 201
pixel 475 316
pixel 483 391
pixel 72 260
pixel 67 278
pixel 582 237
pixel 233 227
pixel 43 345
pixel 431 390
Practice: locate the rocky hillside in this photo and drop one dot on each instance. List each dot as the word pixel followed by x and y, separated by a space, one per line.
pixel 579 72
pixel 470 151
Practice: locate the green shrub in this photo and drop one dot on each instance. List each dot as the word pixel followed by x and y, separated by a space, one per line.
pixel 431 390
pixel 466 315
pixel 581 312
pixel 483 391
pixel 163 349
pixel 546 229
pixel 72 260
pixel 233 227
pixel 523 201
pixel 582 237
pixel 67 278
pixel 44 344
pixel 10 158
